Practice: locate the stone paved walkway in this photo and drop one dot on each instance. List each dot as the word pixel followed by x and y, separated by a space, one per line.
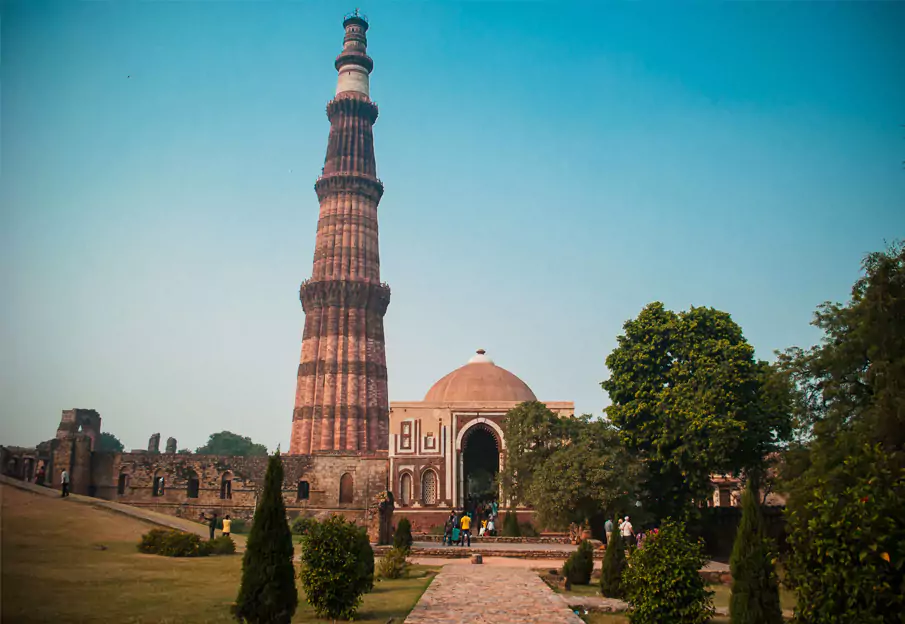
pixel 491 595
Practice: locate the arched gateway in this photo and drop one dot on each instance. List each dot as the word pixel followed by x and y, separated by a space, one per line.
pixel 456 432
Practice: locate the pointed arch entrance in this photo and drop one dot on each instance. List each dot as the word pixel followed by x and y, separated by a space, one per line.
pixel 480 461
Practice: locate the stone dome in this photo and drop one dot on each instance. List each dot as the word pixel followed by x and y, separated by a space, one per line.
pixel 480 380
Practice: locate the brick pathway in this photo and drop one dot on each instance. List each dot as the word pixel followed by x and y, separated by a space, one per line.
pixel 491 595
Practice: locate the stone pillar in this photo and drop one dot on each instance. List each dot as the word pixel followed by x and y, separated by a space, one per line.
pixel 171 446
pixel 154 443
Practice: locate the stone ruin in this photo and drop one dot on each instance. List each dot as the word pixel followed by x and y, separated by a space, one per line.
pixel 154 443
pixel 171 446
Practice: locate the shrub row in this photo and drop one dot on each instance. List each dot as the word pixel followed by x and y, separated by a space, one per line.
pixel 172 543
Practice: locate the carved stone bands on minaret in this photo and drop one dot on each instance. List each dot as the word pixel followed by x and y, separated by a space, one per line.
pixel 345 294
pixel 351 103
pixel 348 182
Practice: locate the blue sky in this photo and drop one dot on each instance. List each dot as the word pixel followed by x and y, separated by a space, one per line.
pixel 550 168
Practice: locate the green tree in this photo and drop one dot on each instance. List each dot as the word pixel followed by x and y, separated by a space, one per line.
pixel 231 444
pixel 846 473
pixel 580 480
pixel 532 433
pixel 580 564
pixel 689 398
pixel 336 568
pixel 755 589
pixel 268 593
pixel 402 538
pixel 613 564
pixel 662 583
pixel 109 443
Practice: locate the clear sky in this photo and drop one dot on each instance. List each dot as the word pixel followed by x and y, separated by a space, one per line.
pixel 549 170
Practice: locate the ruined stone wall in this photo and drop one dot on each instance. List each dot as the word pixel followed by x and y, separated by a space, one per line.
pixel 322 472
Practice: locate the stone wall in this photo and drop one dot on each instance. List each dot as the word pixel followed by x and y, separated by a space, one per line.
pixel 245 475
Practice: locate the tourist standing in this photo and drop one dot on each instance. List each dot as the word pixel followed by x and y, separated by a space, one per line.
pixel 628 533
pixel 211 522
pixel 448 528
pixel 466 530
pixel 226 525
pixel 608 529
pixel 64 482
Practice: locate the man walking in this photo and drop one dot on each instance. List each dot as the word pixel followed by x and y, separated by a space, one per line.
pixel 64 481
pixel 608 529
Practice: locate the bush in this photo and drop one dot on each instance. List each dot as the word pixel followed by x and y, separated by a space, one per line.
pixel 613 565
pixel 171 543
pixel 437 529
pixel 402 538
pixel 366 556
pixel 393 564
pixel 755 590
pixel 268 592
pixel 580 564
pixel 527 530
pixel 847 534
pixel 510 525
pixel 662 582
pixel 301 525
pixel 336 570
pixel 223 545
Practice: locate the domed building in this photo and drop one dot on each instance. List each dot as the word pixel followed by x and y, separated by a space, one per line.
pixel 446 450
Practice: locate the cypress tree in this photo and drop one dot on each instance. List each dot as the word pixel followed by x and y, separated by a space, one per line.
pixel 755 590
pixel 613 564
pixel 403 536
pixel 510 525
pixel 268 593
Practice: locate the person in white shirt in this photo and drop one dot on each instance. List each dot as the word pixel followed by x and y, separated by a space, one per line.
pixel 628 533
pixel 64 481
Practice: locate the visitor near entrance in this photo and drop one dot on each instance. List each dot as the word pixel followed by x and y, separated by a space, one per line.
pixel 227 524
pixel 466 530
pixel 64 483
pixel 448 529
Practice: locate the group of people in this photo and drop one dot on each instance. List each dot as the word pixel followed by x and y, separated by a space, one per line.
pixel 458 527
pixel 626 530
pixel 212 523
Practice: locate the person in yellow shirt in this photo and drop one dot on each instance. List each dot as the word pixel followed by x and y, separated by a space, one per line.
pixel 466 530
pixel 226 525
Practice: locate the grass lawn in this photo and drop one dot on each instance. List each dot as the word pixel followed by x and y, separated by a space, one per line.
pixel 54 570
pixel 720 599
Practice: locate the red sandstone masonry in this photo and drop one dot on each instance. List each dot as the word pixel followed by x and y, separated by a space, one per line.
pixel 341 396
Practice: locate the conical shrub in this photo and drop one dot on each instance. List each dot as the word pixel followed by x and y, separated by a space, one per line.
pixel 510 525
pixel 268 593
pixel 402 538
pixel 613 565
pixel 755 589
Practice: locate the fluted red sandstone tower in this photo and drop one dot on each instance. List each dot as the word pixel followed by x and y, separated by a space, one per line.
pixel 341 398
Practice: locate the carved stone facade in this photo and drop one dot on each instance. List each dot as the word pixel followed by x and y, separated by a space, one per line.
pixel 438 446
pixel 341 401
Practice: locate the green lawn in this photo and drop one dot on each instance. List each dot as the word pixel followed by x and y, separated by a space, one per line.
pixel 55 569
pixel 721 597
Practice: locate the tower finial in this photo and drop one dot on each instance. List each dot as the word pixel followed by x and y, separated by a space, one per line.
pixel 353 63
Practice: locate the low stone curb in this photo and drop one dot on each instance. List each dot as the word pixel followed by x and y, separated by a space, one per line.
pixel 424 537
pixel 461 552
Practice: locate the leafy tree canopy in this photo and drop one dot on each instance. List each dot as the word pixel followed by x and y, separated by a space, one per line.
pixel 533 433
pixel 567 469
pixel 229 443
pixel 690 399
pixel 851 390
pixel 590 475
pixel 109 442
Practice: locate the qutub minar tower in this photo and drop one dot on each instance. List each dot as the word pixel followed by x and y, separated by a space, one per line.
pixel 341 399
